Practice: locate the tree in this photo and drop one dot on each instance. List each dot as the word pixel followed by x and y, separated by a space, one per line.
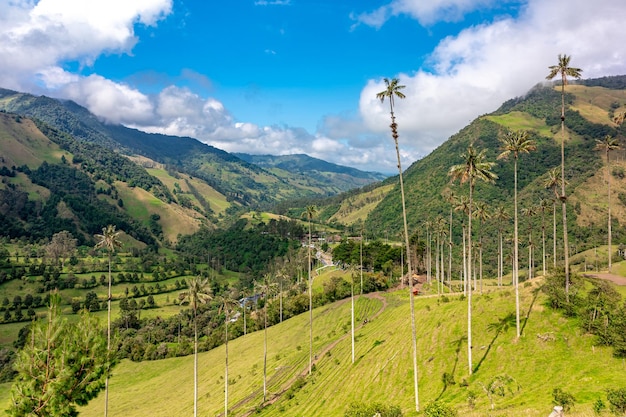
pixel 564 70
pixel 61 366
pixel 61 246
pixel 543 207
pixel 227 306
pixel 475 167
pixel 516 143
pixel 553 183
pixel 463 206
pixel 529 212
pixel 608 144
pixel 501 215
pixel 109 241
pixel 198 292
pixel 310 213
pixel 392 91
pixel 266 287
pixel 482 213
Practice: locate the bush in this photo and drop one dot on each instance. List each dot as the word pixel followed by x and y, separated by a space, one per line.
pixel 439 409
pixel 617 399
pixel 562 398
pixel 357 409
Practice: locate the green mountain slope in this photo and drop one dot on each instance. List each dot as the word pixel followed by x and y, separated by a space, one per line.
pixel 243 182
pixel 311 171
pixel 52 182
pixel 550 354
pixel 590 107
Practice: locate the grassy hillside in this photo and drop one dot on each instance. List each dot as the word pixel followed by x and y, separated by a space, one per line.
pixel 552 353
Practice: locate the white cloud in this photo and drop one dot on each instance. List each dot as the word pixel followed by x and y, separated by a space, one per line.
pixel 476 71
pixel 426 12
pixel 35 37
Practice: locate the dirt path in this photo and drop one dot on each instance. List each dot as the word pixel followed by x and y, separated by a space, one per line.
pixel 617 279
pixel 276 396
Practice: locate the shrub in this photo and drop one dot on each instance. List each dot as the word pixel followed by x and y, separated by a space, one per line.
pixel 617 399
pixel 562 398
pixel 439 409
pixel 357 409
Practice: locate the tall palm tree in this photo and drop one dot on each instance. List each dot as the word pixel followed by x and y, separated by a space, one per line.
pixel 392 91
pixel 462 205
pixel 198 292
pixel 529 212
pixel 310 212
pixel 501 215
pixel 475 167
pixel 564 70
pixel 227 305
pixel 544 204
pixel 608 144
pixel 516 143
pixel 450 198
pixel 553 182
pixel 482 213
pixel 109 241
pixel 266 288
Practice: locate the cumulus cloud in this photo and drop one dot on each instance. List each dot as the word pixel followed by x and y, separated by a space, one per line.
pixel 473 72
pixel 36 37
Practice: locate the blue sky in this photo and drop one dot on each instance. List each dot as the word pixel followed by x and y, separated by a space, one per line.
pixel 300 76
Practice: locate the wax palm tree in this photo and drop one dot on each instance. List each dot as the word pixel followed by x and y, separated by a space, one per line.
pixel 198 292
pixel 516 143
pixel 608 144
pixel 501 215
pixel 109 241
pixel 564 70
pixel 266 288
pixel 529 212
pixel 475 167
pixel 310 212
pixel 462 205
pixel 392 91
pixel 450 198
pixel 544 204
pixel 227 305
pixel 483 214
pixel 553 182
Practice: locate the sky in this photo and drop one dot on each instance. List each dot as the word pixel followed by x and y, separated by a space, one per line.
pixel 301 76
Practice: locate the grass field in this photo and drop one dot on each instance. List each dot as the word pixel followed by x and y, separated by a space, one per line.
pixel 552 353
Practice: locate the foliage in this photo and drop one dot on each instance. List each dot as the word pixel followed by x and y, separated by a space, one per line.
pixel 439 409
pixel 563 398
pixel 241 248
pixel 357 409
pixel 617 399
pixel 62 366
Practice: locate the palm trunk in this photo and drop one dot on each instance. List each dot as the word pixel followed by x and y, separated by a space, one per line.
pixel 608 181
pixel 516 257
pixel 106 381
pixel 554 234
pixel 563 197
pixel 352 314
pixel 469 287
pixel 543 240
pixel 226 370
pixel 465 276
pixel 195 364
pixel 265 349
pixel 310 306
pixel 408 253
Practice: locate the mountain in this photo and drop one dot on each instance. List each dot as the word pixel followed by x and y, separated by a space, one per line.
pixel 590 107
pixel 310 171
pixel 240 181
